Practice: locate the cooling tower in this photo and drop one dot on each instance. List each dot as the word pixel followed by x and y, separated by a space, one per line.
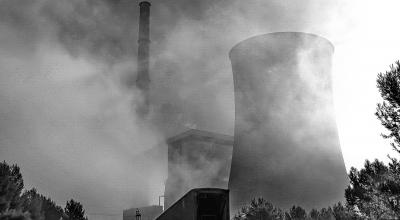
pixel 286 145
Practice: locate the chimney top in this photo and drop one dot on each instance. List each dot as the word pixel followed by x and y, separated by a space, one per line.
pixel 143 3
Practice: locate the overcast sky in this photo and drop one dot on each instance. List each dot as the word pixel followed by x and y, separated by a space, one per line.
pixel 66 95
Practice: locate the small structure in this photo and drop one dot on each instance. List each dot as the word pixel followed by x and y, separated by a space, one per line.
pixel 138 216
pixel 142 213
pixel 197 159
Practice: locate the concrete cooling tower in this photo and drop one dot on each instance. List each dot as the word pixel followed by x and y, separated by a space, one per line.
pixel 286 145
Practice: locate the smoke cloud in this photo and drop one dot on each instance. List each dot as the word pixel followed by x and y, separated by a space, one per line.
pixel 67 92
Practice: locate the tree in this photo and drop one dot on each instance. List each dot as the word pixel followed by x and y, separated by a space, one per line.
pixel 326 214
pixel 40 207
pixel 27 206
pixel 50 209
pixel 14 215
pixel 374 191
pixel 314 214
pixel 11 185
pixel 260 209
pixel 388 112
pixel 74 210
pixel 342 212
pixel 32 203
pixel 296 213
pixel 337 212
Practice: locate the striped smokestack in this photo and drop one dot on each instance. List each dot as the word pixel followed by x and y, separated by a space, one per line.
pixel 143 78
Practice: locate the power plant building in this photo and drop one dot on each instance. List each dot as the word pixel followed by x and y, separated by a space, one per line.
pixel 285 147
pixel 197 159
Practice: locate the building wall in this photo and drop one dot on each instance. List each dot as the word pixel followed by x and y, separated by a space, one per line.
pixel 197 159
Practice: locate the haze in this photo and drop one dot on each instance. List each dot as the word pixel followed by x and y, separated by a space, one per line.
pixel 67 100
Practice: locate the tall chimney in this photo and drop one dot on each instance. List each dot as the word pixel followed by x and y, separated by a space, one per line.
pixel 143 78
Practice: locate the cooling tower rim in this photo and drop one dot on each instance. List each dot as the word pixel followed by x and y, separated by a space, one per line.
pixel 199 134
pixel 311 35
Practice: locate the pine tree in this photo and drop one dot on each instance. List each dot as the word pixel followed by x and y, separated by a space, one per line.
pixel 296 213
pixel 40 207
pixel 11 185
pixel 342 212
pixel 388 112
pixel 74 210
pixel 374 191
pixel 260 209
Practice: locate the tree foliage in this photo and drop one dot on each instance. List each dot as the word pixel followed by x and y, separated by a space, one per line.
pixel 341 212
pixel 296 213
pixel 11 185
pixel 388 112
pixel 74 210
pixel 40 206
pixel 30 205
pixel 260 209
pixel 375 190
pixel 14 215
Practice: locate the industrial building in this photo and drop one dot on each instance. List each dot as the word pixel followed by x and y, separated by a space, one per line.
pixel 285 147
pixel 197 159
pixel 201 204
